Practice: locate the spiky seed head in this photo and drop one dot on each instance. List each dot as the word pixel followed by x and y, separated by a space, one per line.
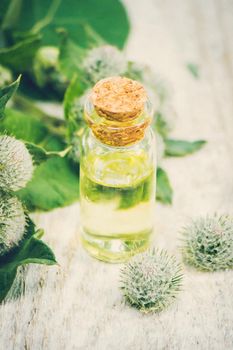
pixel 159 92
pixel 16 166
pixel 208 243
pixel 46 68
pixel 150 281
pixel 103 62
pixel 136 70
pixel 5 76
pixel 48 56
pixel 156 85
pixel 12 222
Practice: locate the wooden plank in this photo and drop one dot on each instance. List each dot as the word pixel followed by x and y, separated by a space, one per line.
pixel 78 305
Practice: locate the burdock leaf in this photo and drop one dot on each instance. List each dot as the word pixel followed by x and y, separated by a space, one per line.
pixel 107 17
pixel 7 276
pixel 48 17
pixel 71 56
pixel 23 126
pixel 6 93
pixel 194 69
pixel 94 39
pixel 19 56
pixel 180 148
pixel 164 190
pixel 55 181
pixel 39 154
pixel 30 250
pixel 74 108
pixel 10 11
pixel 75 89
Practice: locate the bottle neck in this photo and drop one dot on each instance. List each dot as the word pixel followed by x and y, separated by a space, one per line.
pixel 118 133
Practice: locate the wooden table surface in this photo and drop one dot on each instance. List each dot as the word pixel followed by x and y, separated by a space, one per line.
pixel 78 304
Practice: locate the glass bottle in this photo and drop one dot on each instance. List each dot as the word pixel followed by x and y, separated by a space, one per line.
pixel 118 171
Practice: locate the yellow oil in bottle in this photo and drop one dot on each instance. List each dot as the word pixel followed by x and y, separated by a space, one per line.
pixel 117 194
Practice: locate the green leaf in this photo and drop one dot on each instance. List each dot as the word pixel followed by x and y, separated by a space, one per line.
pixel 4 5
pixel 31 129
pixel 6 93
pixel 19 57
pixel 9 13
pixel 47 19
pixel 55 181
pixel 107 17
pixel 55 184
pixel 23 126
pixel 71 56
pixel 7 276
pixel 74 116
pixel 193 69
pixel 30 250
pixel 163 190
pixel 35 251
pixel 180 148
pixel 39 154
pixel 76 88
pixel 93 38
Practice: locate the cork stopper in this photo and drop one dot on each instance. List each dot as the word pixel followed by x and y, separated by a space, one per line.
pixel 118 111
pixel 118 98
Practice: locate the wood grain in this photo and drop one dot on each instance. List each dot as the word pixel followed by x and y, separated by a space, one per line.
pixel 78 304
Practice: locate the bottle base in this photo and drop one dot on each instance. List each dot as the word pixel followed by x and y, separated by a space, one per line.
pixel 115 249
